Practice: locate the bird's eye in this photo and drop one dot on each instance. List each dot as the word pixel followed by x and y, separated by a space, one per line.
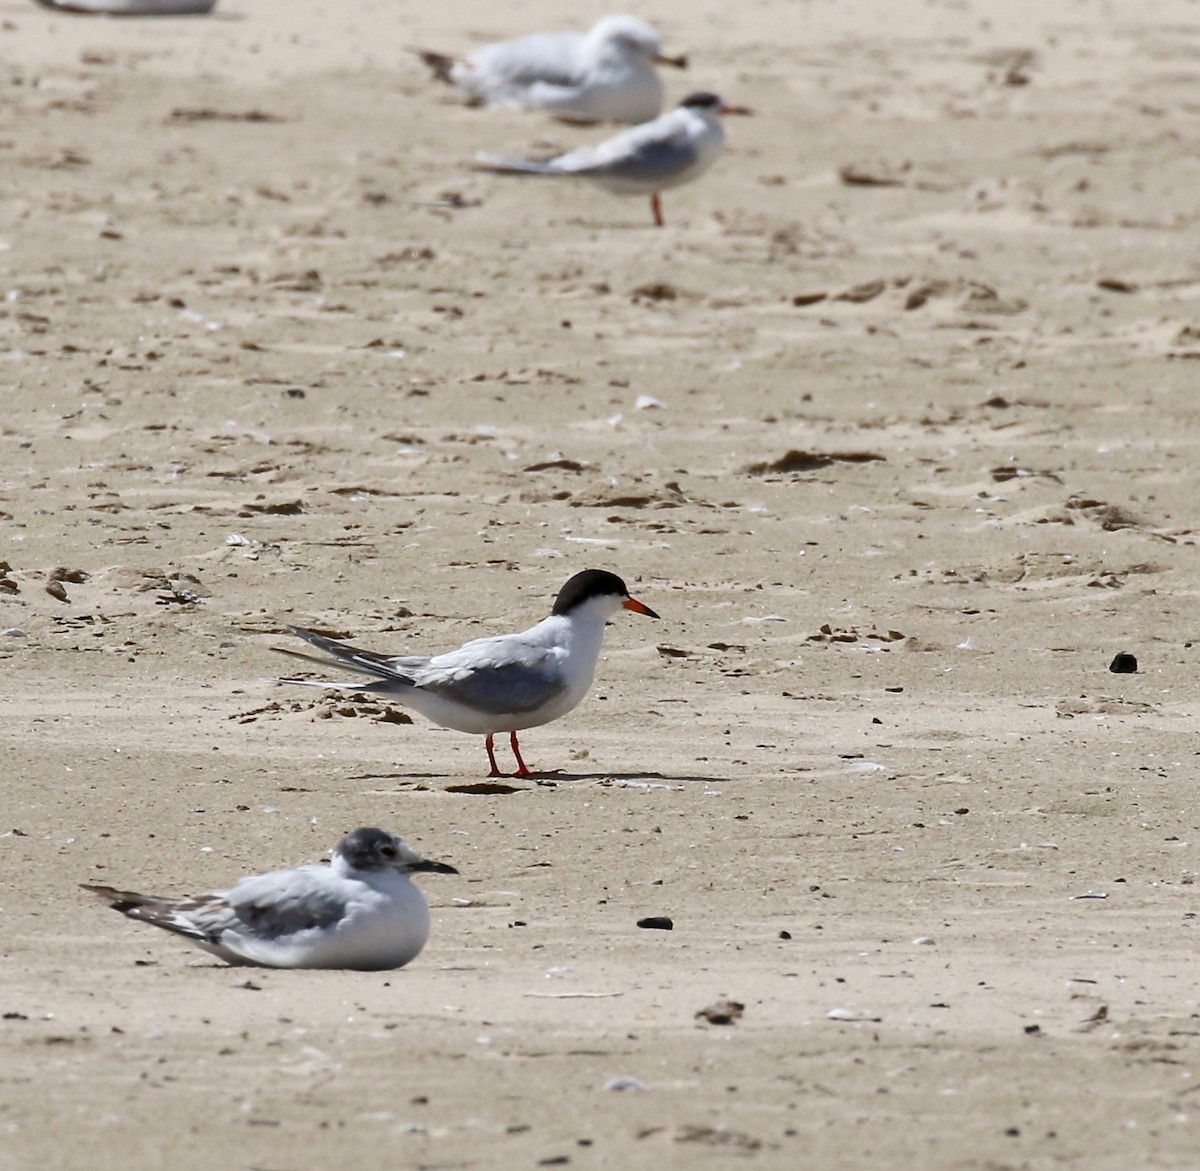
pixel 388 851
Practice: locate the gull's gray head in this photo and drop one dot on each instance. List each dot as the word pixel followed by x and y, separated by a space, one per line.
pixel 598 591
pixel 376 849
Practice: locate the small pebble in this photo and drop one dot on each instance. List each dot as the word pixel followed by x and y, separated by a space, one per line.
pixel 623 1083
pixel 1123 664
pixel 724 1012
pixel 656 923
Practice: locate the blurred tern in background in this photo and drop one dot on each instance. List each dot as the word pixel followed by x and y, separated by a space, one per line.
pixel 132 7
pixel 645 160
pixel 605 75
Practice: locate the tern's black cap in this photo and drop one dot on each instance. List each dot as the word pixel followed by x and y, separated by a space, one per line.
pixel 595 583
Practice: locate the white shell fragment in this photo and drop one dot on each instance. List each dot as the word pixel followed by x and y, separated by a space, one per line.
pixel 624 1083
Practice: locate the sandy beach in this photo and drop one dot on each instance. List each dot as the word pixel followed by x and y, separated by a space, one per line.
pixel 894 423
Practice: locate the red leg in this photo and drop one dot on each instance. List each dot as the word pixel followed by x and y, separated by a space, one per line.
pixel 492 757
pixel 522 771
pixel 656 207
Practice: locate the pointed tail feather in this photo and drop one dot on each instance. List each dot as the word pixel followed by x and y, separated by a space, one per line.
pixel 355 658
pixel 320 662
pixel 440 63
pixel 500 165
pixel 388 672
pixel 124 900
pixel 174 915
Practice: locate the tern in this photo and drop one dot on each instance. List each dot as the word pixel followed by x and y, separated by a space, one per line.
pixel 506 683
pixel 605 75
pixel 362 912
pixel 133 7
pixel 644 160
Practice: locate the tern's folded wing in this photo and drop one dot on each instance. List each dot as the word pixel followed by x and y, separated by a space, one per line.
pixel 496 675
pixel 508 690
pixel 637 154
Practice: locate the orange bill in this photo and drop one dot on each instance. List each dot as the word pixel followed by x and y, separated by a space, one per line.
pixel 638 607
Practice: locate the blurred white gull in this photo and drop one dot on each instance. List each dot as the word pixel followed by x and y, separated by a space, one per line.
pixel 605 75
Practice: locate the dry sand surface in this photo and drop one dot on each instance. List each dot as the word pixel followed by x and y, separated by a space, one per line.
pixel 915 456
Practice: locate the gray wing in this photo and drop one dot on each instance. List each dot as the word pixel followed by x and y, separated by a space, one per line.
pixel 287 901
pixel 642 157
pixel 266 905
pixel 646 155
pixel 496 675
pixel 512 689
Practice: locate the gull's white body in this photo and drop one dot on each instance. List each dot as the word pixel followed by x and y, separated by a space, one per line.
pixel 361 917
pixel 383 924
pixel 605 75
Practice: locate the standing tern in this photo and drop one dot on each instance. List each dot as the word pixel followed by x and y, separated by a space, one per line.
pixel 362 912
pixel 506 683
pixel 644 160
pixel 605 75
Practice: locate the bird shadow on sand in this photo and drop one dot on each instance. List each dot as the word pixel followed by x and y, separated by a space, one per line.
pixel 422 775
pixel 553 778
pixel 549 779
pixel 603 225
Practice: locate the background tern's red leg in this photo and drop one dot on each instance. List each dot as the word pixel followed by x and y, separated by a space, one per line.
pixel 522 771
pixel 492 757
pixel 656 207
